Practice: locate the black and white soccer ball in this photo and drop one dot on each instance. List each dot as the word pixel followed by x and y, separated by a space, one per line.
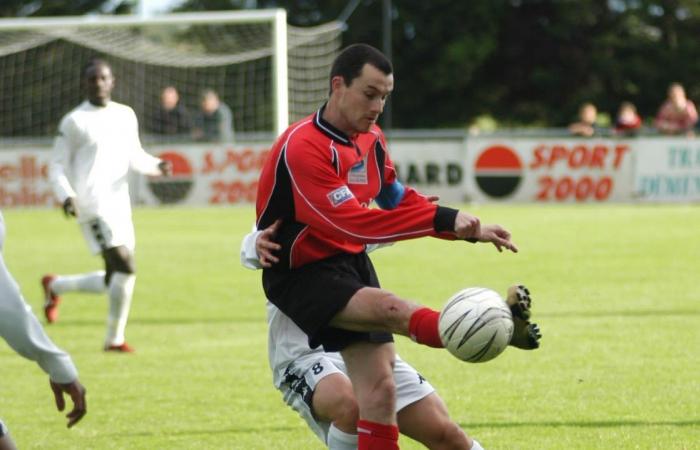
pixel 476 325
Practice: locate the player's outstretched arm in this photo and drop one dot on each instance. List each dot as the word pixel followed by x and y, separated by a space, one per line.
pixel 498 236
pixel 76 391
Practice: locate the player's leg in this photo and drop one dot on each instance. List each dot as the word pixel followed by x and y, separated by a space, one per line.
pixel 56 285
pixel 375 309
pixel 428 422
pixel 334 402
pixel 370 368
pixel 316 388
pixel 120 278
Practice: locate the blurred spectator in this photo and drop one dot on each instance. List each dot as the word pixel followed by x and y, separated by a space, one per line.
pixel 586 125
pixel 627 122
pixel 171 118
pixel 214 121
pixel 677 114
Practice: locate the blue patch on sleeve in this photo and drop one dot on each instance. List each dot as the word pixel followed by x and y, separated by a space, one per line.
pixel 390 195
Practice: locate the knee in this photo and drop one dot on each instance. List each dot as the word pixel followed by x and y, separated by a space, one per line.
pixel 450 437
pixel 394 312
pixel 383 389
pixel 345 412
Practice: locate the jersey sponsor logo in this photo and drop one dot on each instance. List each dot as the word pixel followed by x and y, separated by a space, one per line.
pixel 498 171
pixel 339 196
pixel 358 173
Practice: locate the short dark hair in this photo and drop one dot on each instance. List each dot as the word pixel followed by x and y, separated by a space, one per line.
pixel 349 63
pixel 92 62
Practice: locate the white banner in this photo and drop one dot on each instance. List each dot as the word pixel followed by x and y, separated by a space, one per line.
pixel 24 178
pixel 668 170
pixel 205 174
pixel 434 167
pixel 549 170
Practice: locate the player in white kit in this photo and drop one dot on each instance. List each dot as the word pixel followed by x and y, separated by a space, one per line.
pixel 22 331
pixel 314 383
pixel 97 143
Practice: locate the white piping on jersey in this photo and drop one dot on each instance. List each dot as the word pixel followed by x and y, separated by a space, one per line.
pixel 291 247
pixel 318 123
pixel 343 230
pixel 274 184
pixel 335 157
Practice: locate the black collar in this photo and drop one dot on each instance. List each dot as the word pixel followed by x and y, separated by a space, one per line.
pixel 329 130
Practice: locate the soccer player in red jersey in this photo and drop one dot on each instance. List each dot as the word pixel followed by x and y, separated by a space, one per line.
pixel 319 180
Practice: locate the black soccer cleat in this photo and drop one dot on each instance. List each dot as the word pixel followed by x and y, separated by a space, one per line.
pixel 526 335
pixel 519 301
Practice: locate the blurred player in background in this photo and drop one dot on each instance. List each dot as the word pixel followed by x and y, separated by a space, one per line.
pixel 22 331
pixel 97 143
pixel 315 383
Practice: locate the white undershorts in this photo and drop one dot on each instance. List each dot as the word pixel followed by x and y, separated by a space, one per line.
pixel 304 374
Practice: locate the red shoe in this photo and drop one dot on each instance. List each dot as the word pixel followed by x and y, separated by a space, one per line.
pixel 51 300
pixel 122 348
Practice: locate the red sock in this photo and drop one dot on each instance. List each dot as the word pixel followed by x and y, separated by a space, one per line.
pixel 423 327
pixel 377 436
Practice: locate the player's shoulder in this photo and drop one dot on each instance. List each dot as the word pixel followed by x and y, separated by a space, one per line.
pixel 302 136
pixel 121 107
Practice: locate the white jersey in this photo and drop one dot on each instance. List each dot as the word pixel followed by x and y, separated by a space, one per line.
pixel 22 331
pixel 93 152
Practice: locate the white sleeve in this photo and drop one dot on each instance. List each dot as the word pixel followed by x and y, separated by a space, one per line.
pixel 22 331
pixel 249 256
pixel 60 159
pixel 140 161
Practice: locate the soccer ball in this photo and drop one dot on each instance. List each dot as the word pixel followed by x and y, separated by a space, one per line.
pixel 476 325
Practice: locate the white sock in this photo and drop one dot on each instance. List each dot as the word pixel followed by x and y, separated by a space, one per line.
pixel 340 440
pixel 84 282
pixel 476 445
pixel 121 289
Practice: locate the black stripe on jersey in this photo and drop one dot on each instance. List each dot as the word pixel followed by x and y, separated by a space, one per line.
pixel 281 206
pixel 335 160
pixel 380 158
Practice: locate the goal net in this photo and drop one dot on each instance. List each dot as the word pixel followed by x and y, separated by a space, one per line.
pixel 238 55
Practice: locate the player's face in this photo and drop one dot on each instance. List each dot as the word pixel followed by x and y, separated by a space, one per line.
pixel 99 83
pixel 361 103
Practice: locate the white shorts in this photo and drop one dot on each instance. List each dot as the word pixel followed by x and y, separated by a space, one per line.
pixel 101 235
pixel 304 373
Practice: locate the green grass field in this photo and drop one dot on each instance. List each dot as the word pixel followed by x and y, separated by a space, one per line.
pixel 615 291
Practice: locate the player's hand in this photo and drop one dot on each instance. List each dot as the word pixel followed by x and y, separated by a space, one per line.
pixel 499 236
pixel 76 391
pixel 467 226
pixel 432 198
pixel 69 208
pixel 165 167
pixel 265 246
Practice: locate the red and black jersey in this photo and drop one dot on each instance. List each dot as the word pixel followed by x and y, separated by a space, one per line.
pixel 321 183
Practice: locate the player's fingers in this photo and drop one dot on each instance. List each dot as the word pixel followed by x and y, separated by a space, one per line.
pixel 275 226
pixel 269 245
pixel 75 415
pixel 58 396
pixel 433 198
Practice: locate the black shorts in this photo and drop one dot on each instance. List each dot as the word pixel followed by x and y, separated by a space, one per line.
pixel 314 293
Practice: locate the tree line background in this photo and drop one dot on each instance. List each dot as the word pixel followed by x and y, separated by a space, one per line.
pixel 519 62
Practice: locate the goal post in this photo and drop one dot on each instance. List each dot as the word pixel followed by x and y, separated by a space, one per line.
pixel 267 72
